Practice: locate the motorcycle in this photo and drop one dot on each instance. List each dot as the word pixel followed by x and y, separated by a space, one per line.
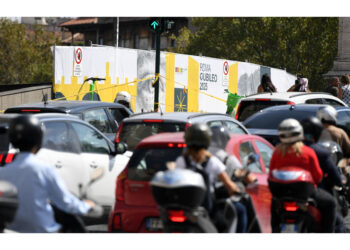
pixel 180 194
pixel 8 204
pixel 292 209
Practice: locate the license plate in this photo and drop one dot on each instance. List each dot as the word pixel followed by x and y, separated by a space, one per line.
pixel 154 224
pixel 289 228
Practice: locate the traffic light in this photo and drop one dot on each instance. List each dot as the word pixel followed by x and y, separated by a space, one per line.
pixel 161 24
pixel 155 24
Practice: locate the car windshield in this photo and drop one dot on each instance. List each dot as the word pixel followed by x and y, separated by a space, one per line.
pixel 133 133
pixel 145 162
pixel 248 108
pixel 271 120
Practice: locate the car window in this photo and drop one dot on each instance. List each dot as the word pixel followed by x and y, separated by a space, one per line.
pixel 133 133
pixel 344 118
pixel 249 157
pixel 314 101
pixel 4 141
pixel 271 120
pixel 90 140
pixel 248 108
pixel 332 102
pixel 234 127
pixel 214 123
pixel 57 137
pixel 119 114
pixel 145 162
pixel 265 152
pixel 99 119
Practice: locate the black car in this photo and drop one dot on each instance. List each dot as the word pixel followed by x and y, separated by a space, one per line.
pixel 139 126
pixel 105 116
pixel 265 123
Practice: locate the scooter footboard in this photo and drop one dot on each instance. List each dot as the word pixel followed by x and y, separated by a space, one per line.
pixel 225 216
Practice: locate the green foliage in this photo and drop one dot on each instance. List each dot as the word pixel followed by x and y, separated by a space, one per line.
pixel 25 54
pixel 301 45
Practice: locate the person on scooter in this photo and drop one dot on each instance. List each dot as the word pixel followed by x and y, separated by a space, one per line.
pixel 197 157
pixel 312 128
pixel 124 98
pixel 37 182
pixel 328 117
pixel 292 152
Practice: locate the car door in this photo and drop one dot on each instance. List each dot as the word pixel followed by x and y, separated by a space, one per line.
pixel 64 154
pixel 96 153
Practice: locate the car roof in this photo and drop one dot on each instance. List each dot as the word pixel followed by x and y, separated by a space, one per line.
pixel 283 95
pixel 42 116
pixel 68 106
pixel 162 138
pixel 170 116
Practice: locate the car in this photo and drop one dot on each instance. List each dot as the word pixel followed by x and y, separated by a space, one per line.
pixel 135 209
pixel 265 122
pixel 75 149
pixel 137 127
pixel 105 116
pixel 251 104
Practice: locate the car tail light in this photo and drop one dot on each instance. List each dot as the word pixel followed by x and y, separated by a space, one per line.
pixel 290 103
pixel 117 222
pixel 263 99
pixel 9 158
pixel 30 110
pixel 290 221
pixel 1 155
pixel 290 206
pixel 178 145
pixel 119 192
pixel 181 145
pixel 153 120
pixel 177 215
pixel 171 145
pixel 187 125
pixel 237 114
pixel 117 136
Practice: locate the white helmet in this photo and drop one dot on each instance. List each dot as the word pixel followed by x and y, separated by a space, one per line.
pixel 123 96
pixel 290 131
pixel 327 114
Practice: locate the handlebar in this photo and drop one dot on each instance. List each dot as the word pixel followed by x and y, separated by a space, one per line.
pixel 94 79
pixel 95 212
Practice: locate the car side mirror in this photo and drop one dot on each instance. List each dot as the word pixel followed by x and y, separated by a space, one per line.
pixel 253 157
pixel 120 148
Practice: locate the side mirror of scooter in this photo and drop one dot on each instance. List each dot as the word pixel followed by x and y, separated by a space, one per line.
pixel 120 148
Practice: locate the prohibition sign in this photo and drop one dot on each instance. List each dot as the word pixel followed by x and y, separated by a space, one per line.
pixel 78 56
pixel 226 68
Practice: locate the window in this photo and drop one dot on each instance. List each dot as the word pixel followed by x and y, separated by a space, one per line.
pixel 265 152
pixel 90 140
pixel 248 108
pixel 214 123
pixel 344 118
pixel 145 162
pixel 332 102
pixel 56 137
pixel 99 119
pixel 314 101
pixel 119 114
pixel 234 127
pixel 249 157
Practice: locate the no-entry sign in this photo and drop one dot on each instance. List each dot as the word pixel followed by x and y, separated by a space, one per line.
pixel 225 73
pixel 78 56
pixel 77 64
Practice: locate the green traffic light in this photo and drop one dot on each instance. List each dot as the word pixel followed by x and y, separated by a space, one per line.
pixel 154 25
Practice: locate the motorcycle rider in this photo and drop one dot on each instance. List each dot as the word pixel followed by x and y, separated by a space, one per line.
pixel 197 157
pixel 124 98
pixel 328 117
pixel 37 182
pixel 312 127
pixel 292 152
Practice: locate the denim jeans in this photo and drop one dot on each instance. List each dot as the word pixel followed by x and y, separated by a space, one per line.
pixel 242 219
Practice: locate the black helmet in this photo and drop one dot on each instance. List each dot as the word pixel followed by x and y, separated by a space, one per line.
pixel 198 136
pixel 312 126
pixel 25 132
pixel 220 136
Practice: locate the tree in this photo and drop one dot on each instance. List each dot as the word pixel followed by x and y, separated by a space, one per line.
pixel 301 45
pixel 25 54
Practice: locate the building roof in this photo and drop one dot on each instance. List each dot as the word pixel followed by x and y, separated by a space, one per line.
pixel 79 21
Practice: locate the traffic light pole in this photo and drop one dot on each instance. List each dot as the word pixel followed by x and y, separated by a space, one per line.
pixel 156 85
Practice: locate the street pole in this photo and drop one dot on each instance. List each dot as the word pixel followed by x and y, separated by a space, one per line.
pixel 156 85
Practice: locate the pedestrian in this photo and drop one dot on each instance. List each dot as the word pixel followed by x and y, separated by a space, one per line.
pixel 344 89
pixel 333 87
pixel 266 85
pixel 300 85
pixel 38 184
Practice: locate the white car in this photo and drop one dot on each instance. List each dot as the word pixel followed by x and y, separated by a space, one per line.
pixel 76 149
pixel 253 103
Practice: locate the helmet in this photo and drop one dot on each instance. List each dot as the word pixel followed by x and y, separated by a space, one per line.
pixel 198 136
pixel 25 132
pixel 290 131
pixel 312 126
pixel 327 114
pixel 123 96
pixel 220 136
pixel 334 150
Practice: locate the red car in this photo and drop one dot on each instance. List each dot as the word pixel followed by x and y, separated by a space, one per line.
pixel 135 209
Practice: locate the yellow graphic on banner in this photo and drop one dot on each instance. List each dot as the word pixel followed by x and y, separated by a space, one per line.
pixel 193 85
pixel 233 78
pixel 170 82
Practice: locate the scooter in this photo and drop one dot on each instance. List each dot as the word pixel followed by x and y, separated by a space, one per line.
pixel 8 204
pixel 180 194
pixel 293 209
